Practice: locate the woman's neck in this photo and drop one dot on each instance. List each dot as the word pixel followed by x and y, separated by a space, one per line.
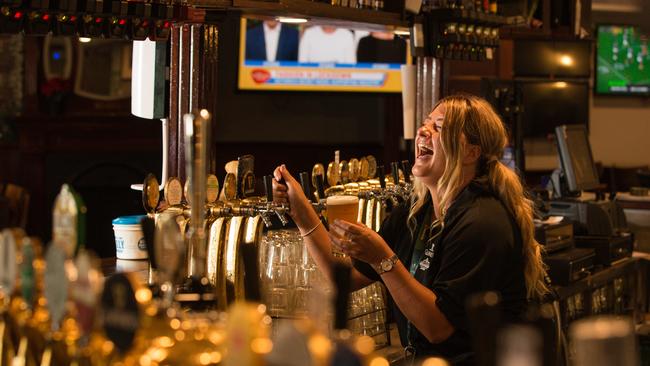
pixel 436 193
pixel 435 201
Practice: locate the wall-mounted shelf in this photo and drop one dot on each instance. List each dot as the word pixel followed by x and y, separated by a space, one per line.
pixel 315 12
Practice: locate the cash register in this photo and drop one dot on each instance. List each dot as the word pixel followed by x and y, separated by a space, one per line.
pixel 600 235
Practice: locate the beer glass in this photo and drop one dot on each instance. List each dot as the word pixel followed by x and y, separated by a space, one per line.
pixel 342 208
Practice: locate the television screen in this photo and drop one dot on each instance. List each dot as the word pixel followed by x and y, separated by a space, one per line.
pixel 547 104
pixel 557 58
pixel 305 57
pixel 622 61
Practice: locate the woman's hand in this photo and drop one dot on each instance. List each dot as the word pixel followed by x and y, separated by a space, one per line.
pixel 359 242
pixel 286 189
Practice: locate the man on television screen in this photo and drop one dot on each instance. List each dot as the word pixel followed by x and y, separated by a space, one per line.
pixel 272 41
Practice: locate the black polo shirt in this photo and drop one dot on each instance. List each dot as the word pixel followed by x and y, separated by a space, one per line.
pixel 479 249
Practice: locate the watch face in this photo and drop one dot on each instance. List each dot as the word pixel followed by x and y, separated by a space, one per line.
pixel 386 265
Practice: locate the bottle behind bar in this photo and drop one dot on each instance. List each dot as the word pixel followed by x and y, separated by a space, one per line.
pixel 344 353
pixel 605 340
pixel 248 329
pixel 484 318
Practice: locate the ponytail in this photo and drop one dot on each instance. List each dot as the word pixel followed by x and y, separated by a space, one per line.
pixel 505 183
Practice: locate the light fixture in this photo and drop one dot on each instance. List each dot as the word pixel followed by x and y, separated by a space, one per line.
pixel 402 32
pixel 85 39
pixel 560 84
pixel 290 20
pixel 566 60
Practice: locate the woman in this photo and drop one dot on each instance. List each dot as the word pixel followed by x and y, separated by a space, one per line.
pixel 468 228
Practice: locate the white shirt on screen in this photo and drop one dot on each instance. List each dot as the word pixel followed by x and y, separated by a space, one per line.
pixel 317 45
pixel 271 40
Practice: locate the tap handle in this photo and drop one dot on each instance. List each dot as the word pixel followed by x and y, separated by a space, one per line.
pixel 268 187
pixel 267 220
pixel 395 172
pixel 306 185
pixel 320 186
pixel 381 176
pixel 406 168
pixel 282 217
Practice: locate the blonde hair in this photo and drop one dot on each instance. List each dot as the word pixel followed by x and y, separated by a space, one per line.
pixel 469 119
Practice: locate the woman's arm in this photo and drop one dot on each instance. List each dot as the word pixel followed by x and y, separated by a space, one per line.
pixel 415 301
pixel 314 234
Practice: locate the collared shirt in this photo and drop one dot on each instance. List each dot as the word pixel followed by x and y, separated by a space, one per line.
pixel 478 249
pixel 271 40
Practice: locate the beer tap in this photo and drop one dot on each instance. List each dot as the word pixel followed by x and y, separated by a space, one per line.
pixel 197 127
pixel 279 209
pixel 305 182
pixel 406 168
pixel 400 190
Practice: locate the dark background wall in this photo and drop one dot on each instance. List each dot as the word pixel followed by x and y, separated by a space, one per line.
pixel 101 149
pixel 298 128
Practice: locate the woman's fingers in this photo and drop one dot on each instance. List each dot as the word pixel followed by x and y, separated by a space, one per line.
pixel 347 229
pixel 342 245
pixel 280 196
pixel 279 186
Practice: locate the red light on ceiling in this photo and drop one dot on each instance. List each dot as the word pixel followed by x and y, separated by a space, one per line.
pixel 145 24
pixel 73 18
pixel 18 15
pixel 46 17
pixel 122 21
pixel 98 20
pixel 167 24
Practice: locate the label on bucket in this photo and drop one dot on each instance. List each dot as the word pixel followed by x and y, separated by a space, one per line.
pixel 129 242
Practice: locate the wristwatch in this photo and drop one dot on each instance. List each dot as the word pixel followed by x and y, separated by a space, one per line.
pixel 386 264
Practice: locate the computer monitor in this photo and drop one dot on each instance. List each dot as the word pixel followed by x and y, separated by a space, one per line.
pixel 575 157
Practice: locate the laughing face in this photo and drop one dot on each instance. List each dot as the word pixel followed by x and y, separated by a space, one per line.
pixel 429 156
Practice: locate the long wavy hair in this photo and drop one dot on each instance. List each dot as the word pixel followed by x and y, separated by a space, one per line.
pixel 469 119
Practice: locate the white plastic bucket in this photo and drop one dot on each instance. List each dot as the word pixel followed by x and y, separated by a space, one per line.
pixel 129 240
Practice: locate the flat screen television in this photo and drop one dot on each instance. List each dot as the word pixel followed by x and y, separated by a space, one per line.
pixel 548 104
pixel 576 158
pixel 316 57
pixel 622 61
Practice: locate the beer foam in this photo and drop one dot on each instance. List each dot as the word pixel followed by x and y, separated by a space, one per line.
pixel 342 200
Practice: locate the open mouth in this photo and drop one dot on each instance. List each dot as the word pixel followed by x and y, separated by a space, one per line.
pixel 424 150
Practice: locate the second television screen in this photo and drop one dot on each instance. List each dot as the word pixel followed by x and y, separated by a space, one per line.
pixel 280 56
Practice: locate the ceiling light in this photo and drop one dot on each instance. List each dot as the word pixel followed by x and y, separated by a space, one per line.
pixel 84 39
pixel 290 20
pixel 401 32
